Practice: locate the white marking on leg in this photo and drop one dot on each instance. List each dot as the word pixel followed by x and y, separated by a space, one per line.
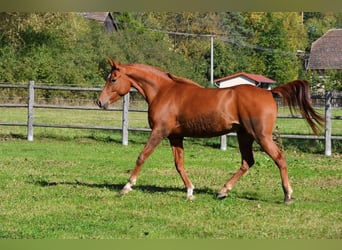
pixel 128 186
pixel 133 181
pixel 290 193
pixel 189 193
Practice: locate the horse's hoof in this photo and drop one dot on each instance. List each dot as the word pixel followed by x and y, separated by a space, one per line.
pixel 288 201
pixel 221 196
pixel 125 191
pixel 191 197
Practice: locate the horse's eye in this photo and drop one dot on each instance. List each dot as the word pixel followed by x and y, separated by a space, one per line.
pixel 109 77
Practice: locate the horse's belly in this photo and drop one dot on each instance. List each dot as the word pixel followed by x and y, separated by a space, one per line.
pixel 205 125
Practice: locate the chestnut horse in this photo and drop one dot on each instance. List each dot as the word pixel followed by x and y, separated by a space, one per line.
pixel 181 108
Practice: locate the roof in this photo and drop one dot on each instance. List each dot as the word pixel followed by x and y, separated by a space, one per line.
pixel 254 77
pixel 103 17
pixel 98 16
pixel 326 51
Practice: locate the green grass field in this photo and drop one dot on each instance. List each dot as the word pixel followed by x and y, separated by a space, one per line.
pixel 65 185
pixel 68 189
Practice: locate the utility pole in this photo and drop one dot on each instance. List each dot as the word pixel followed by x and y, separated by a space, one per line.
pixel 212 59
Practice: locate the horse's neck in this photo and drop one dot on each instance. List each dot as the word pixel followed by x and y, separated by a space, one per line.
pixel 149 95
pixel 148 90
pixel 149 84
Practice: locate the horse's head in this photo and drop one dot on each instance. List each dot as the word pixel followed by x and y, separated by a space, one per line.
pixel 117 85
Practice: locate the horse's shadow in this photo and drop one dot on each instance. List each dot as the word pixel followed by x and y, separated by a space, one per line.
pixel 251 196
pixel 118 187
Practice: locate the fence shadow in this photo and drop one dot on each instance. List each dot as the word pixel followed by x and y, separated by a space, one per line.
pixel 45 183
pixel 304 145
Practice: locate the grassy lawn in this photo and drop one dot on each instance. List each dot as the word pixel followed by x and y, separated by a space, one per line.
pixel 67 186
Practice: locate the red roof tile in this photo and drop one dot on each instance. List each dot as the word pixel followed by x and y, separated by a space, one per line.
pixel 254 77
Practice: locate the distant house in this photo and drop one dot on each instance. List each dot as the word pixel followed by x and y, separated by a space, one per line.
pixel 326 54
pixel 103 17
pixel 326 51
pixel 244 78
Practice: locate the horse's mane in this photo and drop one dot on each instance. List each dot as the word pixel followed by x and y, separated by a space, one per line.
pixel 182 80
pixel 176 79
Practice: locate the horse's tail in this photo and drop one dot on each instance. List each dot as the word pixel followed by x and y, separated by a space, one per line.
pixel 297 94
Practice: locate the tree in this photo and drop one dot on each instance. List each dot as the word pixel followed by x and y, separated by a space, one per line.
pixel 318 23
pixel 189 35
pixel 276 45
pixel 66 48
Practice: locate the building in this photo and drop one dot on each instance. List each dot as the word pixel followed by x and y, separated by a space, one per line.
pixel 325 56
pixel 103 17
pixel 244 78
pixel 326 52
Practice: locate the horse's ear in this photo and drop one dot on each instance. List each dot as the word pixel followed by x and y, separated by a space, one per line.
pixel 113 64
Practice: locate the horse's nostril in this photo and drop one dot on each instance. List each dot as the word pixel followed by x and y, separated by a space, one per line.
pixel 98 102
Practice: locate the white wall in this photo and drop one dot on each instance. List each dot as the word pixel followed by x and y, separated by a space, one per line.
pixel 236 81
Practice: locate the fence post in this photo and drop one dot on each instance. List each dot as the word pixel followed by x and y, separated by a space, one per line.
pixel 223 141
pixel 125 119
pixel 30 112
pixel 328 97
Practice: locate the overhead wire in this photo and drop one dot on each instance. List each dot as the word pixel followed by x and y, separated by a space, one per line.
pixel 229 40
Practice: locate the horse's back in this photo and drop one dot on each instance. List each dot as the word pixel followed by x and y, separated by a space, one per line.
pixel 254 98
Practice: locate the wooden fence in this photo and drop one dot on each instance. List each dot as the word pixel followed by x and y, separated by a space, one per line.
pixel 31 105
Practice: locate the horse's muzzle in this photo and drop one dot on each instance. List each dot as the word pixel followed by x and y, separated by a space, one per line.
pixel 101 105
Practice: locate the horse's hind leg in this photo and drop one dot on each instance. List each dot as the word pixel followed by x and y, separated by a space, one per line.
pixel 279 158
pixel 178 154
pixel 245 145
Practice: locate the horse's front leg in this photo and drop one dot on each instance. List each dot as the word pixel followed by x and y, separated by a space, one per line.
pixel 178 154
pixel 152 143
